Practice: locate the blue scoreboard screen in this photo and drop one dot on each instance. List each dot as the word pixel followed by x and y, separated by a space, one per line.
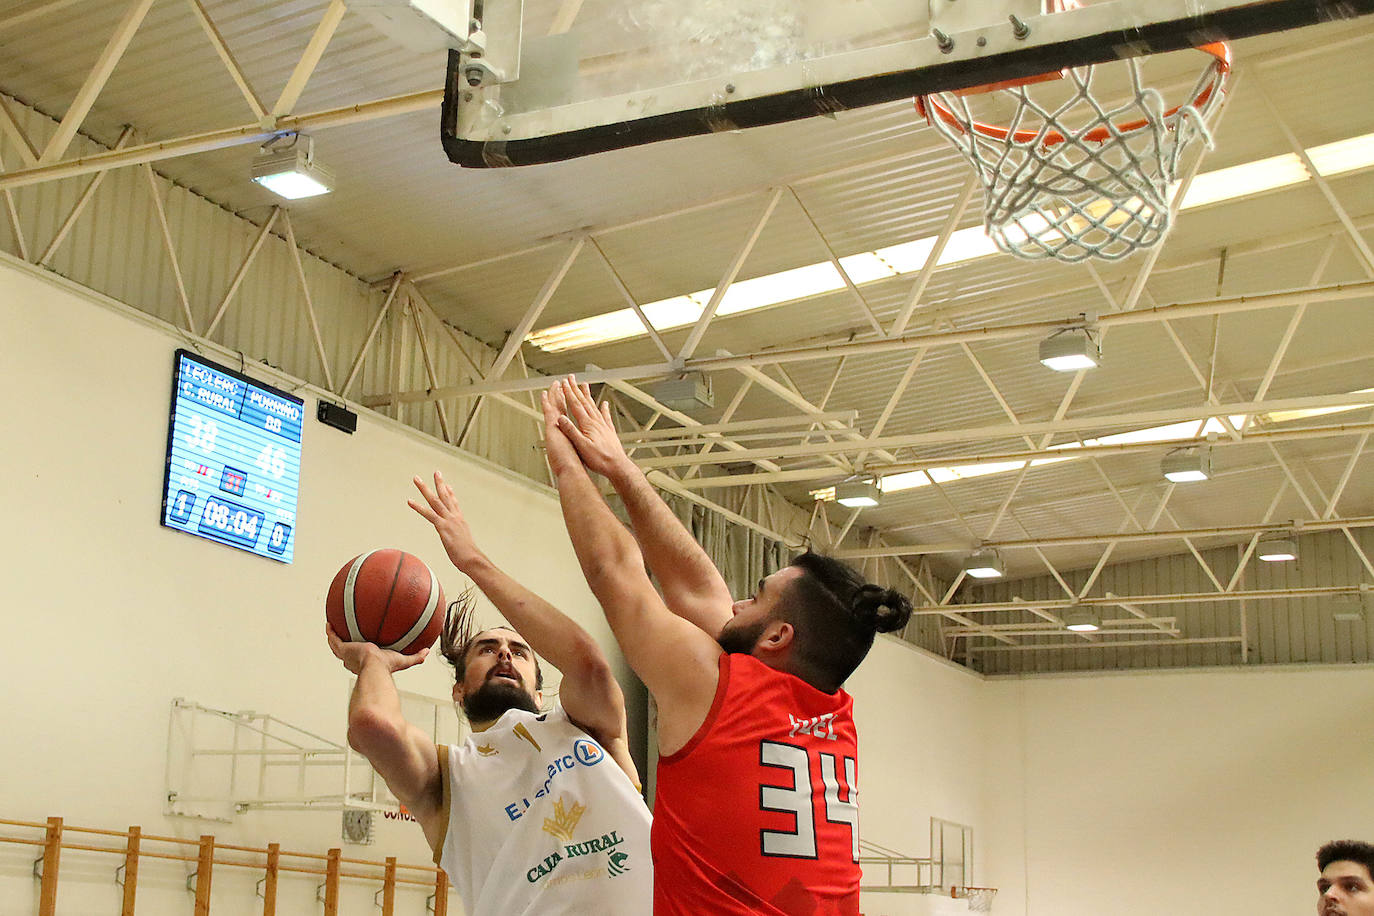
pixel 233 459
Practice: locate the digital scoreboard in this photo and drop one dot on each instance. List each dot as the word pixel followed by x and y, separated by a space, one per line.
pixel 233 459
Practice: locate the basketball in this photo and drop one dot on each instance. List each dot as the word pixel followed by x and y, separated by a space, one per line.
pixel 386 597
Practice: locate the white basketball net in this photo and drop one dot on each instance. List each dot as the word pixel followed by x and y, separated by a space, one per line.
pixel 1076 179
pixel 979 898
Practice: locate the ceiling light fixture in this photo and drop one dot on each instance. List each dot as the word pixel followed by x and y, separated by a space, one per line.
pixel 1072 348
pixel 689 391
pixel 1277 550
pixel 984 563
pixel 859 493
pixel 1185 465
pixel 1082 619
pixel 1355 609
pixel 291 171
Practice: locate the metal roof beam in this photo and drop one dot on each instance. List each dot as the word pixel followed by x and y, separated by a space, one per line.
pixel 1322 591
pixel 1134 420
pixel 222 138
pixel 1336 292
pixel 95 81
pixel 1298 526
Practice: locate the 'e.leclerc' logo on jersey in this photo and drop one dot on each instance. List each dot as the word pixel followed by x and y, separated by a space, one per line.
pixel 588 753
pixel 585 753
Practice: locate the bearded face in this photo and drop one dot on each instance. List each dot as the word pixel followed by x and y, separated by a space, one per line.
pixel 491 700
pixel 738 637
pixel 500 673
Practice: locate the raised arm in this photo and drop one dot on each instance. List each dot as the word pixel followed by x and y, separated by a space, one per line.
pixel 676 659
pixel 692 586
pixel 402 754
pixel 589 692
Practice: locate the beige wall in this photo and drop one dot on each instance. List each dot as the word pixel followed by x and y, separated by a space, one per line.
pixel 1180 793
pixel 109 615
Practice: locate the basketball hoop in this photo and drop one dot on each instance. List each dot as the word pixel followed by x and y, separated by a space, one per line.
pixel 979 898
pixel 1073 178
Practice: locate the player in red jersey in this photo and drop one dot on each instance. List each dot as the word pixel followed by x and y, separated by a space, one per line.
pixel 756 806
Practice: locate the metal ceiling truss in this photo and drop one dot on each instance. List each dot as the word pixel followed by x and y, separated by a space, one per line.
pixel 844 449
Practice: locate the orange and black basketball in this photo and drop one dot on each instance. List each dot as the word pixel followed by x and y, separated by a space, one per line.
pixel 389 598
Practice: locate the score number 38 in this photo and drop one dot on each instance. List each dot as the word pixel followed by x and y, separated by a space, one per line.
pixel 204 433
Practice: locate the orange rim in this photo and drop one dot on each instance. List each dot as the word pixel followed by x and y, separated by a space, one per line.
pixel 929 107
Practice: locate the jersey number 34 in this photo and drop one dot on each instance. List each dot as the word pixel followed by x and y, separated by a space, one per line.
pixel 812 813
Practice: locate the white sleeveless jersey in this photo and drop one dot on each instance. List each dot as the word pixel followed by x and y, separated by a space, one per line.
pixel 540 820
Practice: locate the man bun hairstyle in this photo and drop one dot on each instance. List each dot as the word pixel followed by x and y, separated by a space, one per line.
pixel 836 615
pixel 1347 851
pixel 460 629
pixel 883 609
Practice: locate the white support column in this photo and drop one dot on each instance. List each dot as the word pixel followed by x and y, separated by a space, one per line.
pixel 12 214
pixel 309 302
pixel 80 206
pixel 170 248
pixel 731 272
pixel 227 58
pixel 430 374
pixel 95 81
pixel 848 524
pixel 629 300
pixel 1097 570
pixel 1006 503
pixel 9 127
pixel 1255 538
pixel 1298 312
pixel 473 369
pixel 940 491
pixel 310 58
pixel 1355 454
pixel 834 260
pixel 898 391
pixel 243 270
pixel 396 279
pixel 1356 238
pixel 522 329
pixel 918 286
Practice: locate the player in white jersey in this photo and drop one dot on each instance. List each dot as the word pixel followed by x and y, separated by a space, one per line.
pixel 536 813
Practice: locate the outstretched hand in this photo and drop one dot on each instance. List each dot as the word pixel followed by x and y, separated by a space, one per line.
pixel 590 429
pixel 557 446
pixel 440 509
pixel 355 655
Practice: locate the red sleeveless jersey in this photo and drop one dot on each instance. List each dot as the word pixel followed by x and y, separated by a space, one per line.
pixel 758 812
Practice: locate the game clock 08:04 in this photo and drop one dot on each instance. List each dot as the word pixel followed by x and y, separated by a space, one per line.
pixel 233 459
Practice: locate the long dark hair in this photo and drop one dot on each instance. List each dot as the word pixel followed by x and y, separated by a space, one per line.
pixel 460 629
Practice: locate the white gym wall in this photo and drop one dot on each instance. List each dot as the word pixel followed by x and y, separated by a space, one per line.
pixel 111 615
pixel 1178 792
